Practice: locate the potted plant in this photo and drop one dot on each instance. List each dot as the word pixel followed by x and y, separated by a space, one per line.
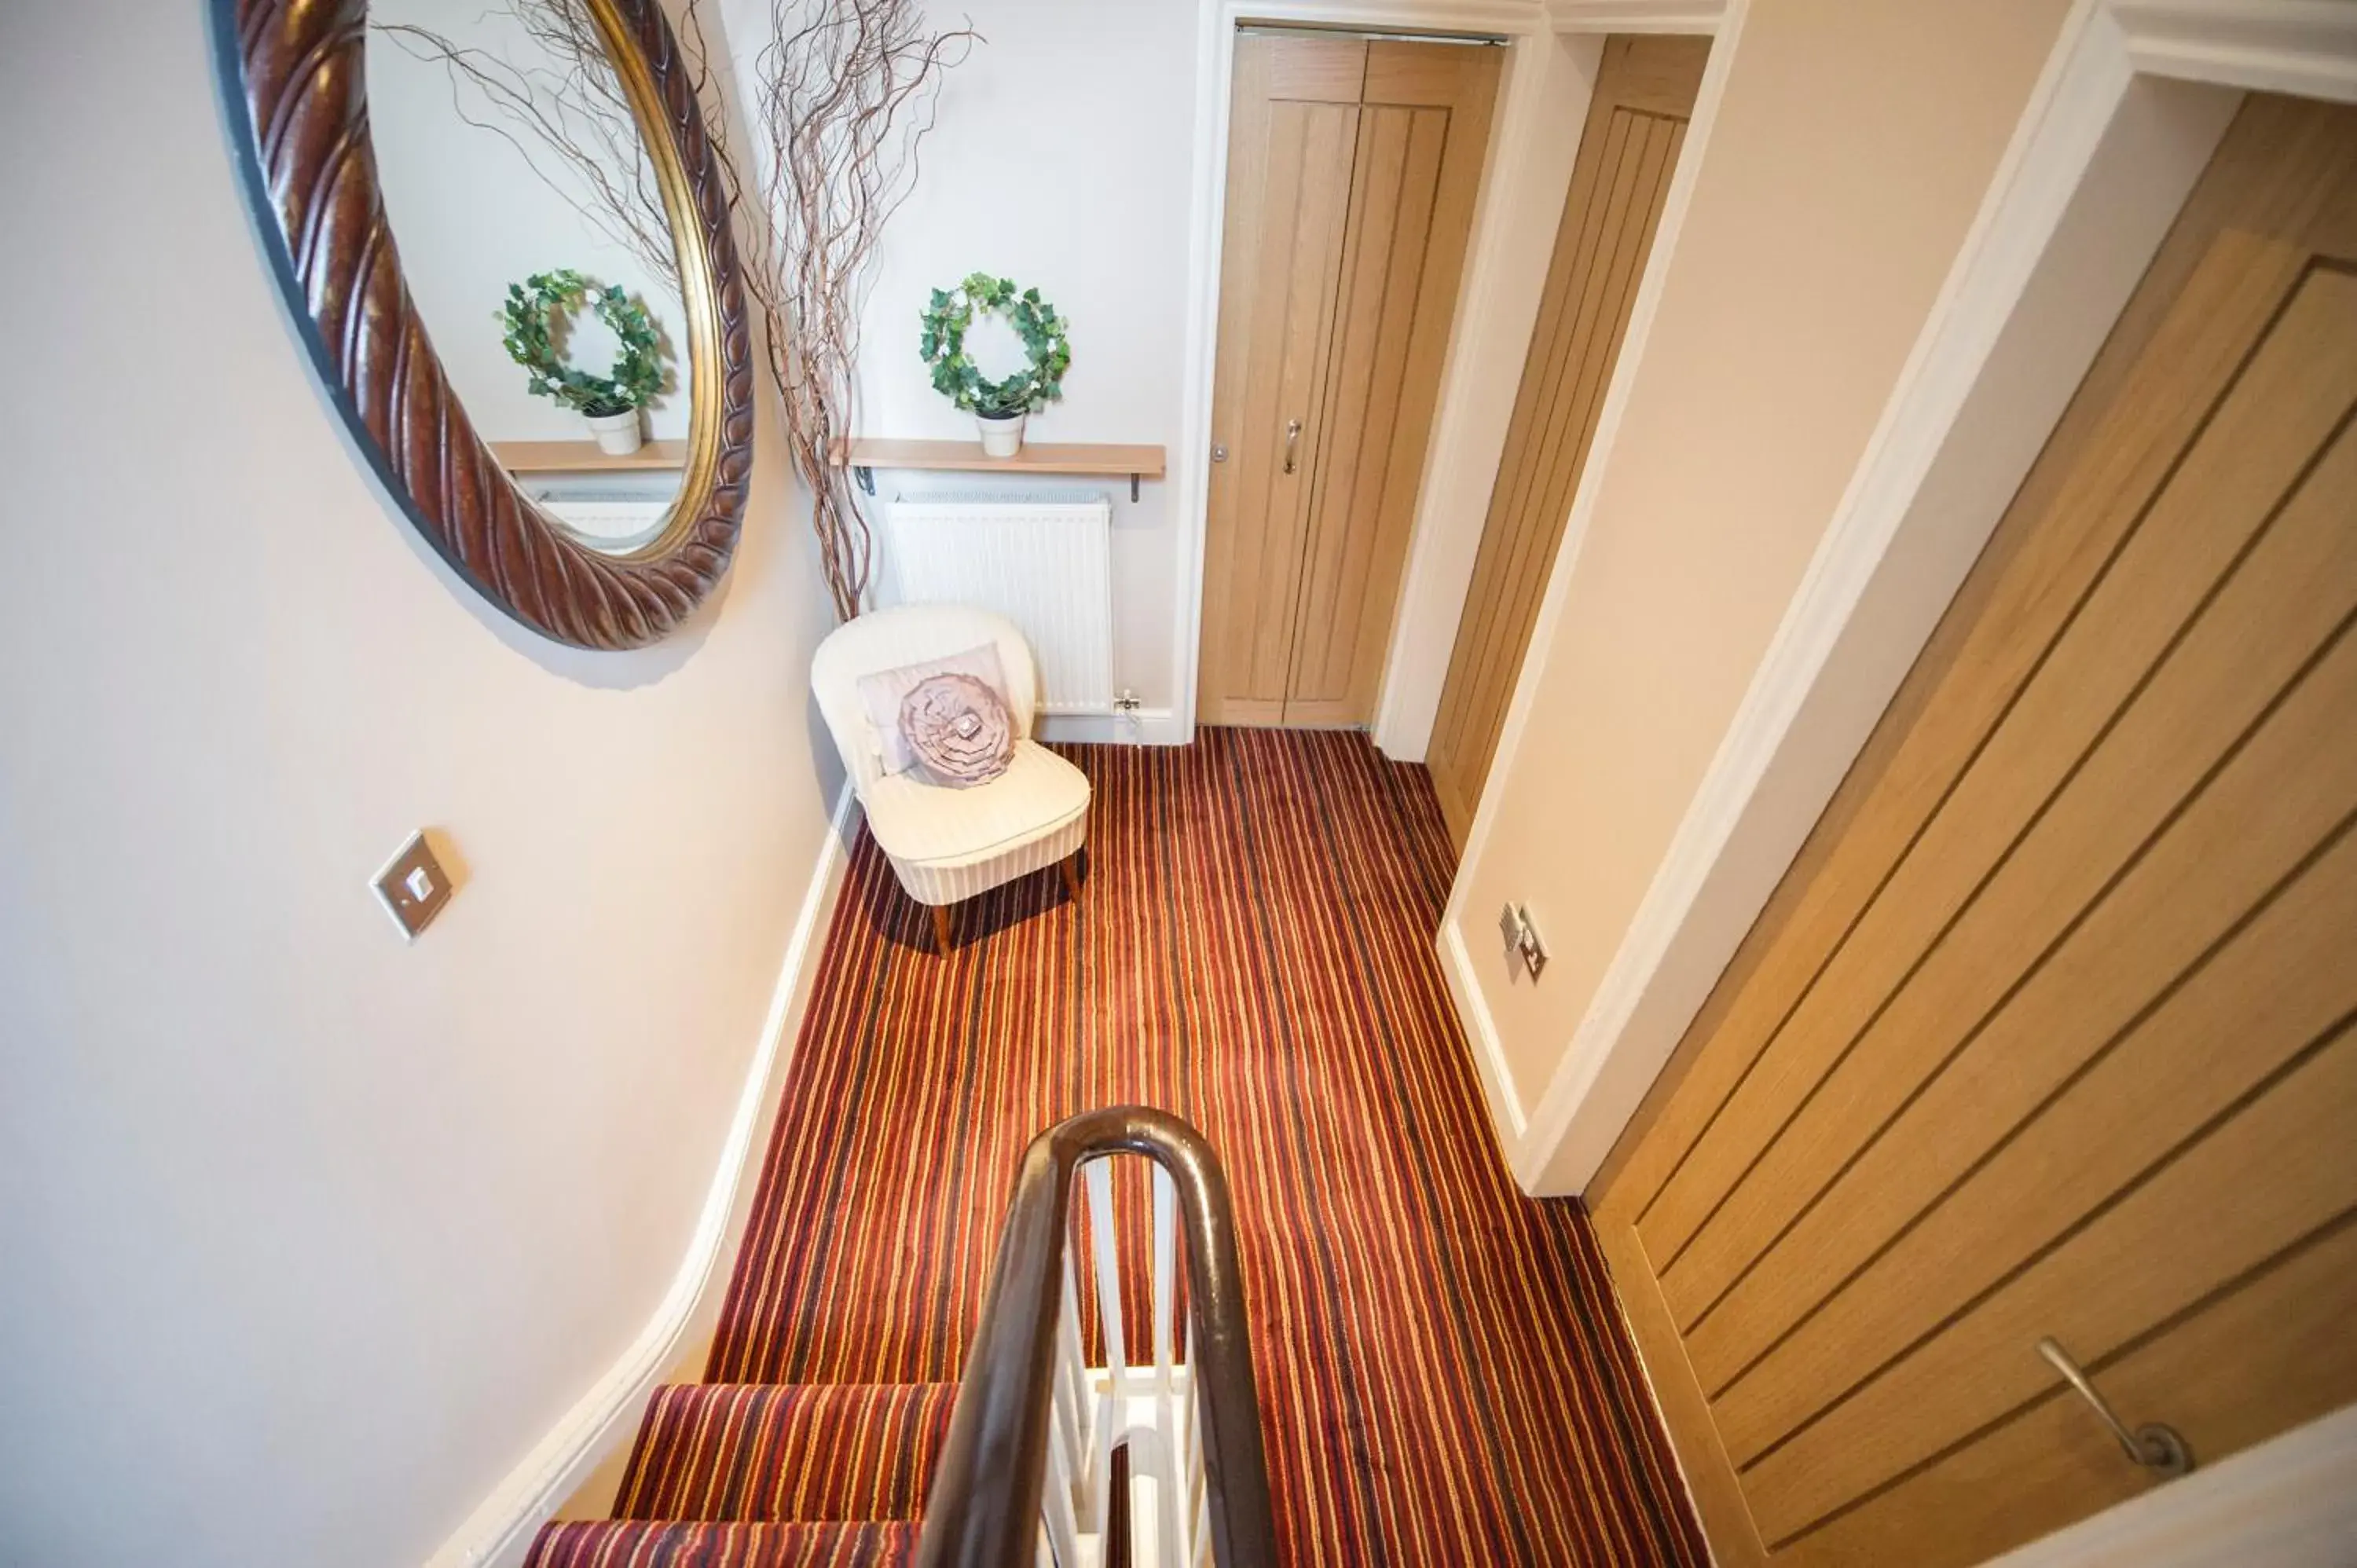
pixel 1000 408
pixel 535 316
pixel 1001 423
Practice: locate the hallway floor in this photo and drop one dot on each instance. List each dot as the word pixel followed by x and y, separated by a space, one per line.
pixel 1443 1377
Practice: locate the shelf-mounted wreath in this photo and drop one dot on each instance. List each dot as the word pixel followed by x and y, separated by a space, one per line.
pixel 999 408
pixel 535 316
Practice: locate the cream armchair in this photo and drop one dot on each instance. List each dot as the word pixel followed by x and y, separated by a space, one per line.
pixel 950 844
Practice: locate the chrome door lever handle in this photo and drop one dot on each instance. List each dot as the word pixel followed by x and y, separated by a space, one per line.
pixel 1292 443
pixel 2157 1447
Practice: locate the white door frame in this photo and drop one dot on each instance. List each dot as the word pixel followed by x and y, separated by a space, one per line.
pixel 1528 167
pixel 2131 101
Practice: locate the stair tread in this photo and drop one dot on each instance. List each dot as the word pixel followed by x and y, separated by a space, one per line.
pixel 706 1544
pixel 764 1452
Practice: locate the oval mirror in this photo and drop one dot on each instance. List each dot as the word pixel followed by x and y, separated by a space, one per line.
pixel 525 204
pixel 506 232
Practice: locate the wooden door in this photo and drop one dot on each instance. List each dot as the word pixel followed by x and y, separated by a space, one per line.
pixel 1636 126
pixel 1353 167
pixel 1293 134
pixel 2047 1031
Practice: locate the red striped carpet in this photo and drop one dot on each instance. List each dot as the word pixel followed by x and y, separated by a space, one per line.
pixel 1444 1379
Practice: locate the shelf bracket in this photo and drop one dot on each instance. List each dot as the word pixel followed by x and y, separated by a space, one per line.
pixel 1133 487
pixel 865 475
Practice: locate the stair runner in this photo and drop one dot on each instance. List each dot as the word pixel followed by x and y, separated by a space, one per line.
pixel 758 1476
pixel 1443 1377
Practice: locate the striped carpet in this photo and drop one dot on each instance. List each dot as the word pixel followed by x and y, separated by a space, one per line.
pixel 1444 1379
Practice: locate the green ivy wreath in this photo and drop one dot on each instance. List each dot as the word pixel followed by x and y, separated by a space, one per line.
pixel 943 346
pixel 533 315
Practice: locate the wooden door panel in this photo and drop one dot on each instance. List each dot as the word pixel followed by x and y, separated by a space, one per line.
pixel 2134 1106
pixel 1398 177
pixel 1300 295
pixel 2232 929
pixel 2229 483
pixel 1292 139
pixel 1408 74
pixel 1425 128
pixel 1352 172
pixel 2142 405
pixel 2268 617
pixel 1639 153
pixel 2048 1028
pixel 1300 68
pixel 2285 1330
pixel 2280 1169
pixel 1628 148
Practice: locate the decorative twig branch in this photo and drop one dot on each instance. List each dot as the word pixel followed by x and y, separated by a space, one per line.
pixel 847 92
pixel 568 118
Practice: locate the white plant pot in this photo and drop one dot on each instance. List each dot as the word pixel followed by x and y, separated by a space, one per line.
pixel 1001 437
pixel 617 434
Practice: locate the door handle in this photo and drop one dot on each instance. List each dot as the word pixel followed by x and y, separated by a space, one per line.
pixel 2157 1447
pixel 1292 443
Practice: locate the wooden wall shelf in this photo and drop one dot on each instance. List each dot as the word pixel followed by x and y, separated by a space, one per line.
pixel 865 454
pixel 584 457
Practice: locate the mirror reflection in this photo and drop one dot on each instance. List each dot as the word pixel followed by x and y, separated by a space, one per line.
pixel 535 241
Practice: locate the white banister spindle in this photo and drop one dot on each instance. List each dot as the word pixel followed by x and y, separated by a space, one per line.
pixel 1188 1420
pixel 1062 1533
pixel 1074 1413
pixel 1195 1506
pixel 1064 1442
pixel 1098 1407
pixel 1166 1273
pixel 1108 1255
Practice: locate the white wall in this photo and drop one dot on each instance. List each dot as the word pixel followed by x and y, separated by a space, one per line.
pixel 471 215
pixel 1062 158
pixel 1851 150
pixel 306 1236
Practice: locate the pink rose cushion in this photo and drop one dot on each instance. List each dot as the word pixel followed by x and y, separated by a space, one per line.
pixel 958 729
pixel 881 694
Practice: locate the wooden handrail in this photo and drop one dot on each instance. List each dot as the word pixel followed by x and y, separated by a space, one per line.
pixel 984 1508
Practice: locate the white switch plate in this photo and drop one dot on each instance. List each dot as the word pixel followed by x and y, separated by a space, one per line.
pixel 413 887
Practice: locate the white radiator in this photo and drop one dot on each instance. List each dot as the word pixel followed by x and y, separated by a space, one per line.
pixel 1042 560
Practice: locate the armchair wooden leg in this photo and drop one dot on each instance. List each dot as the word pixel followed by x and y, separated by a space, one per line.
pixel 1070 866
pixel 941 929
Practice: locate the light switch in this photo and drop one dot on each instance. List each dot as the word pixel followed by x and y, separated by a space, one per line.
pixel 413 887
pixel 1520 935
pixel 1534 953
pixel 1510 930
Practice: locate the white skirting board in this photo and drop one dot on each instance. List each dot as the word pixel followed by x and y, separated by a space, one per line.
pixel 1507 1116
pixel 1140 726
pixel 499 1532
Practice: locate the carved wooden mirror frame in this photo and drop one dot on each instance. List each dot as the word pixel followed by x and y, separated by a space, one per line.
pixel 294 79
